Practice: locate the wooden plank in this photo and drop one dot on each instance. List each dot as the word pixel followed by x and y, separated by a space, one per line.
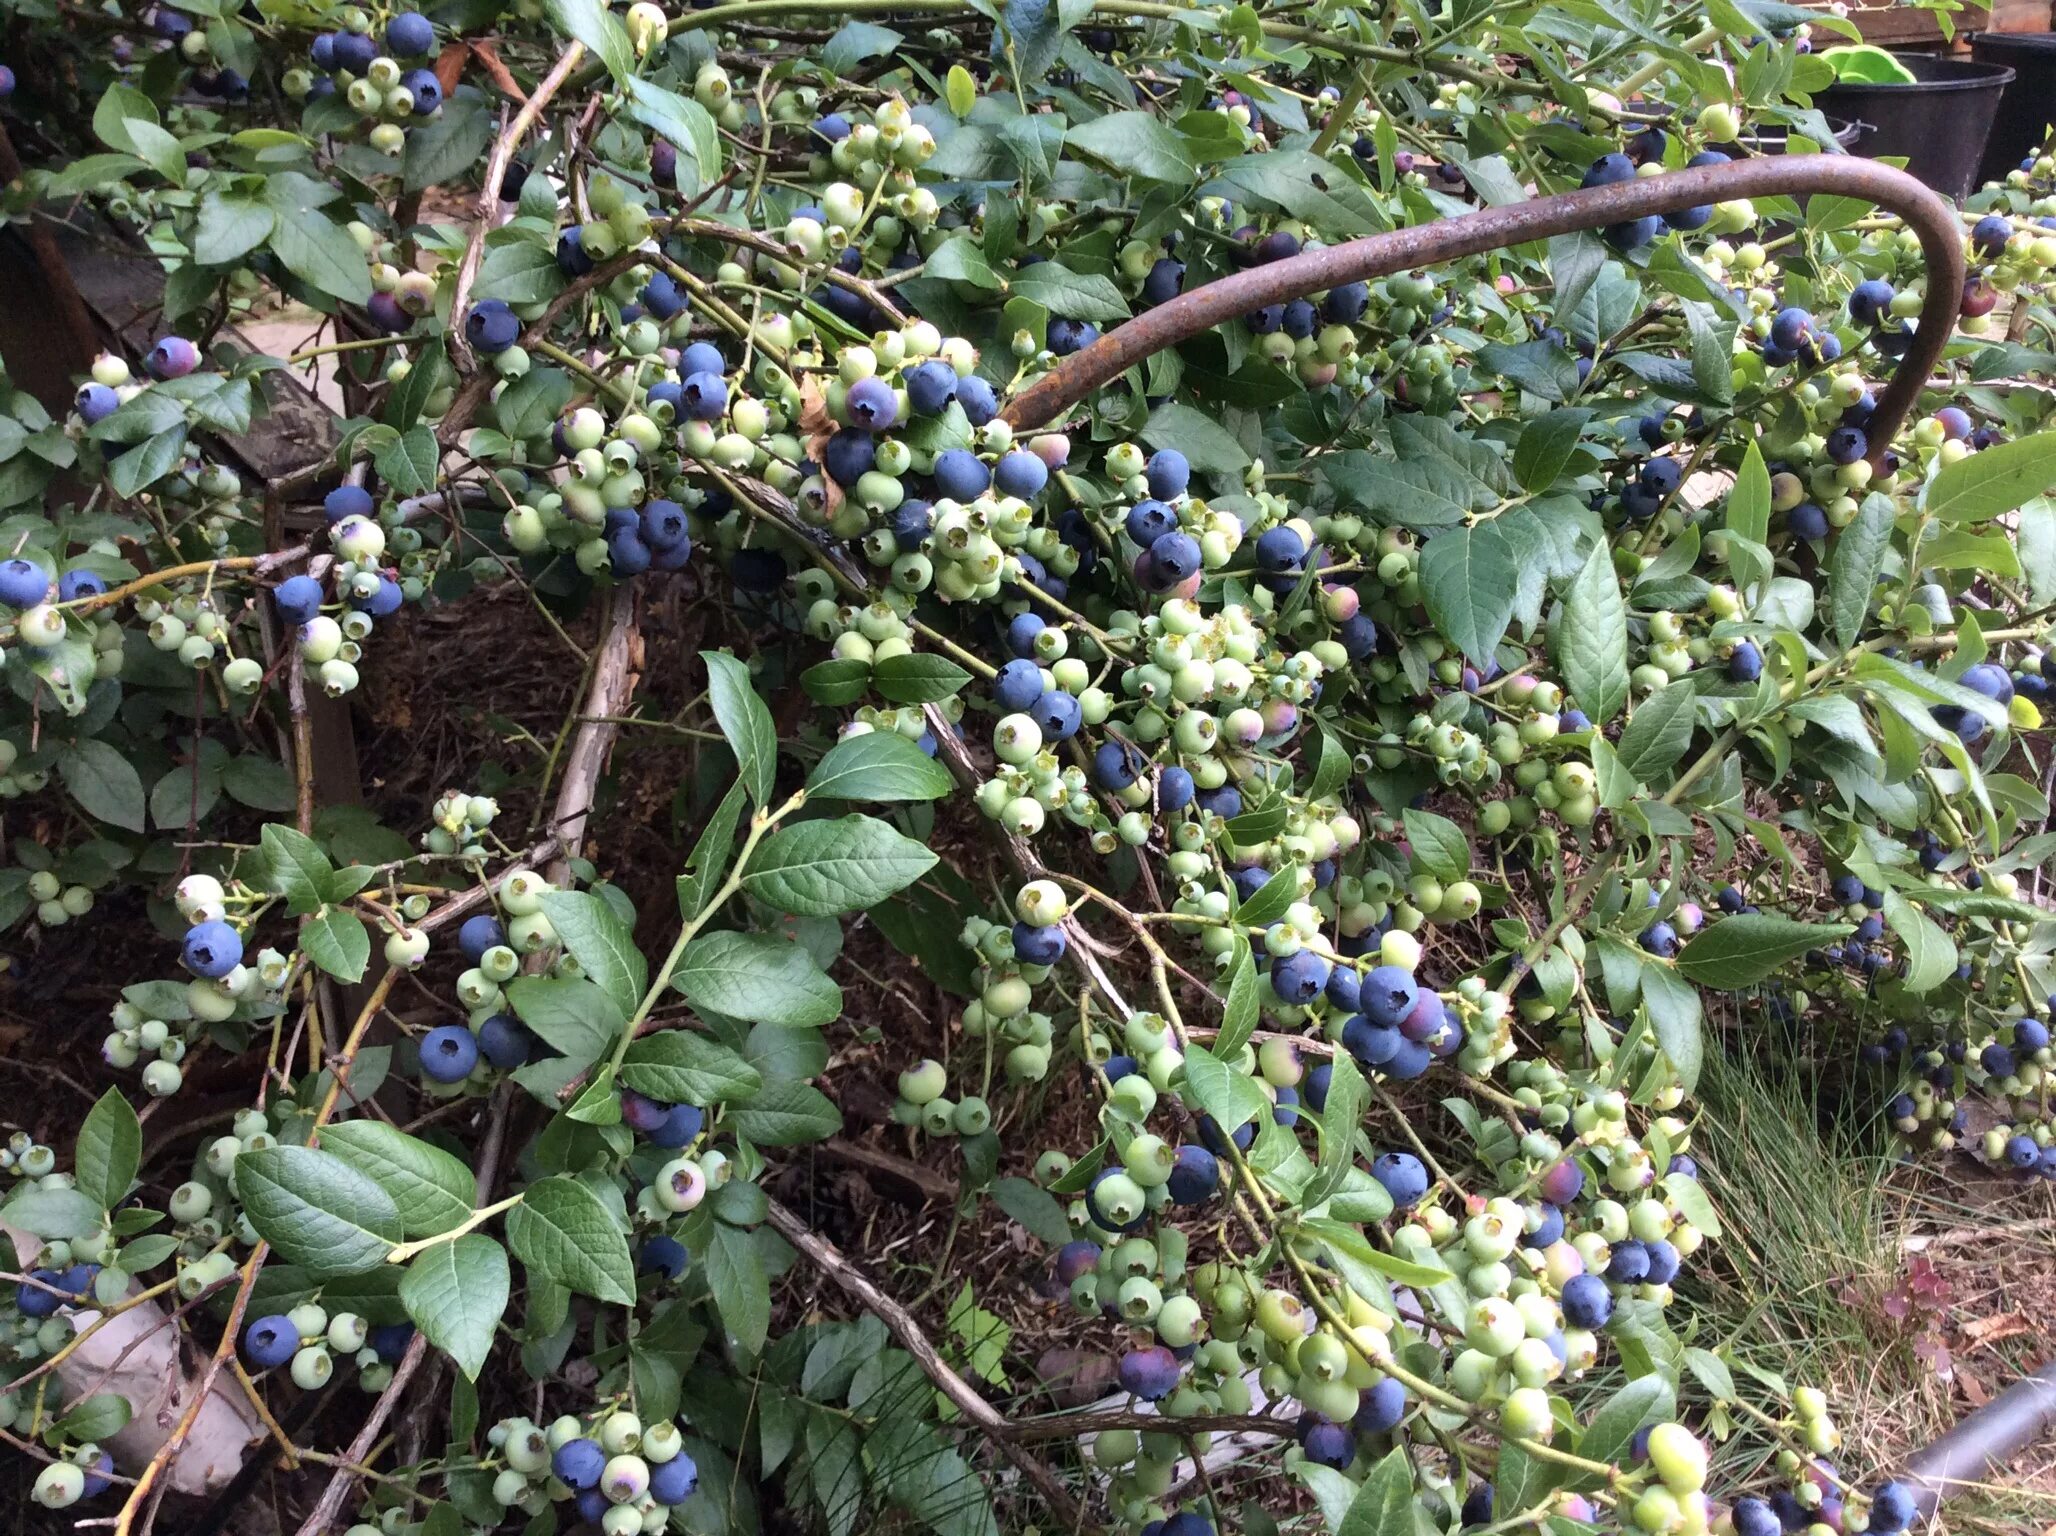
pixel 1906 26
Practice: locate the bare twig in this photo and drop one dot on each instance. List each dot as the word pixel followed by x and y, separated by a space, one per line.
pixel 489 198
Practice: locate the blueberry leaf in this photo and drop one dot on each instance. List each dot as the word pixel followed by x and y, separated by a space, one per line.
pixel 317 1210
pixel 1591 641
pixel 110 1150
pixel 745 721
pixel 431 1189
pixel 826 868
pixel 757 978
pixel 1742 950
pixel 879 765
pixel 1468 579
pixel 602 945
pixel 563 1232
pixel 455 1292
pixel 337 942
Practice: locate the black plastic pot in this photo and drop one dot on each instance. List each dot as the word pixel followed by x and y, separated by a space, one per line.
pixel 2029 105
pixel 1938 123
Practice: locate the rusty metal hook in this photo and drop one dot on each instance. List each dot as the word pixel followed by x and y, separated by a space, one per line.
pixel 1929 214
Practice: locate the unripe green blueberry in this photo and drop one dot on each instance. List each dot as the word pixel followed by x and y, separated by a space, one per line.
pixel 312 1367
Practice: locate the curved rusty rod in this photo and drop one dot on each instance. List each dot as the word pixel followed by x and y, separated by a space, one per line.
pixel 1930 215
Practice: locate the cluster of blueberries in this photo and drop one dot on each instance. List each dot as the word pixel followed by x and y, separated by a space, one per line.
pixel 348 56
pixel 1647 147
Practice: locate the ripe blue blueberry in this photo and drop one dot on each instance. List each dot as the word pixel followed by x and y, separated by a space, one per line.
pixel 211 949
pixel 572 259
pixel 1058 715
pixel 172 358
pixel 1381 1407
pixel 1173 558
pixel 2021 1150
pixel 1115 765
pixel 33 1300
pixel 978 400
pixel 849 455
pixel 1661 476
pixel 1609 170
pixel 1845 445
pixel 1280 550
pixel 1067 336
pixel 1314 1086
pixel 73 585
pixel 448 1053
pixel 680 1127
pixel 931 385
pixel 1345 988
pixel 1346 304
pixel 1150 1373
pixel 1166 280
pixel 578 1463
pixel 1587 1302
pixel 1020 473
pixel 1371 1045
pixel 1039 946
pixel 1661 940
pixel 831 129
pixel 912 521
pixel 384 600
pixel 1989 235
pixel 1022 629
pixel 627 554
pixel 1076 1259
pixel 961 475
pixel 1299 977
pixel 1150 520
pixel 1870 300
pixel 297 599
pixel 1168 473
pixel 662 298
pixel 409 35
pixel 1807 521
pixel 1629 1264
pixel 1174 789
pixel 349 501
pixel 1359 636
pixel 492 326
pixel 1389 995
pixel 1299 319
pixel 1989 679
pixel 505 1041
pixel 96 402
pixel 673 1481
pixel 1404 1177
pixel 663 523
pixel 479 934
pixel 1326 1444
pixel 1789 327
pixel 664 1255
pixel 426 90
pixel 1195 1175
pixel 1663 1262
pixel 322 51
pixel 1631 234
pixel 354 51
pixel 1745 662
pixel 1018 685
pixel 1754 1517
pixel 271 1341
pixel 871 404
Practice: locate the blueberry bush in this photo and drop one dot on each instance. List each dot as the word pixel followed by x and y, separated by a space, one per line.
pixel 1339 780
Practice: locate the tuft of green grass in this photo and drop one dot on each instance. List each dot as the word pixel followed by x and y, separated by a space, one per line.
pixel 1811 1244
